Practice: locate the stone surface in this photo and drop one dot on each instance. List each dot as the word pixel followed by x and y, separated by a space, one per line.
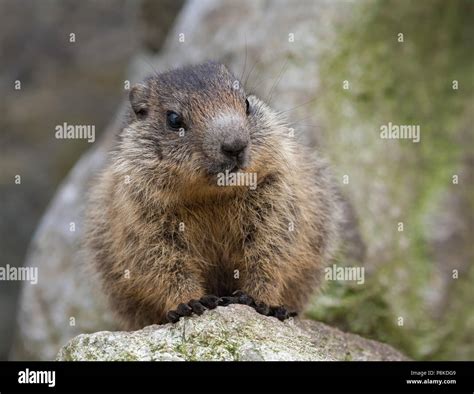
pixel 233 333
pixel 66 301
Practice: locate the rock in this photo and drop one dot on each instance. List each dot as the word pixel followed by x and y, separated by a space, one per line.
pixel 417 278
pixel 233 333
pixel 65 302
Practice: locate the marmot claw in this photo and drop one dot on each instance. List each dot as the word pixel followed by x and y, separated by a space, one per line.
pixel 280 312
pixel 193 306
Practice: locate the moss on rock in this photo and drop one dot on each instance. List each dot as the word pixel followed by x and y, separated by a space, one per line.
pixel 234 333
pixel 406 80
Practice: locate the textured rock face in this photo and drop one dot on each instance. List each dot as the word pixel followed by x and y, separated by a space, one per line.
pixel 234 333
pixel 65 302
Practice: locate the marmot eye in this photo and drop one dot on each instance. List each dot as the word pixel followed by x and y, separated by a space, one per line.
pixel 142 113
pixel 174 120
pixel 247 105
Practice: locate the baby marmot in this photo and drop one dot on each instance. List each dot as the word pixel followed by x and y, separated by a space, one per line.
pixel 176 224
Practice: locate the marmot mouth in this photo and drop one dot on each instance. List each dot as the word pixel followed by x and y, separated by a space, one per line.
pixel 229 167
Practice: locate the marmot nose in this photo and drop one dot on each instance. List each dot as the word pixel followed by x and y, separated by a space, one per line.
pixel 233 149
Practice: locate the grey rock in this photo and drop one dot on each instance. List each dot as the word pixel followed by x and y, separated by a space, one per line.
pixel 233 333
pixel 65 302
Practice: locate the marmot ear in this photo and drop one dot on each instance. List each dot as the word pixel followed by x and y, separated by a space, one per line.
pixel 139 100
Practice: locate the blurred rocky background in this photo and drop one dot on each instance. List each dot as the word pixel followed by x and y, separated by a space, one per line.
pixel 78 83
pixel 338 70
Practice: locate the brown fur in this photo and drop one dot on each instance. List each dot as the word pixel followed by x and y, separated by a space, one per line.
pixel 134 227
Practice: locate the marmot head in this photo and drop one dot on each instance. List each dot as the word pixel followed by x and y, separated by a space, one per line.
pixel 196 122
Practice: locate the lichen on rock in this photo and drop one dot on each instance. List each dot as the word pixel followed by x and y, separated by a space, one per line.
pixel 233 333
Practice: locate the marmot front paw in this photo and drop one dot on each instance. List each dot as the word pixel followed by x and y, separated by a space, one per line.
pixel 240 297
pixel 237 297
pixel 281 313
pixel 194 306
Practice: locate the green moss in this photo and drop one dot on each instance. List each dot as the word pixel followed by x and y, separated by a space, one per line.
pixel 364 310
pixel 67 353
pixel 208 347
pixel 459 333
pixel 409 83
